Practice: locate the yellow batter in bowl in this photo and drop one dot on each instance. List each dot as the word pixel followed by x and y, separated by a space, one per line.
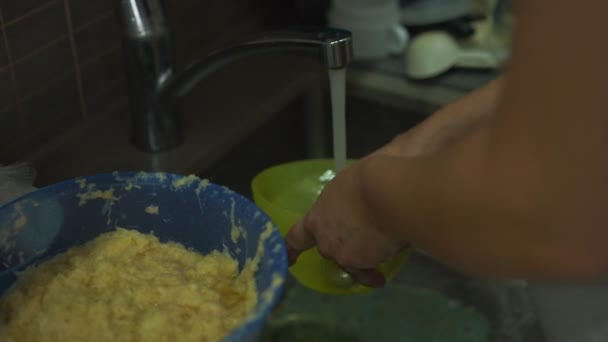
pixel 127 286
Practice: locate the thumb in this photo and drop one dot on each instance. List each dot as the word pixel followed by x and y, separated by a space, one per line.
pixel 298 240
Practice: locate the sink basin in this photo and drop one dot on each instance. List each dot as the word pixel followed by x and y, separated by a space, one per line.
pixel 426 301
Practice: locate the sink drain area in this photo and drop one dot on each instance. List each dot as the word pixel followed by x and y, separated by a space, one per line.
pixel 300 329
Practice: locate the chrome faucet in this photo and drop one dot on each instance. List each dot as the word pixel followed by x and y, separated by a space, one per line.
pixel 155 87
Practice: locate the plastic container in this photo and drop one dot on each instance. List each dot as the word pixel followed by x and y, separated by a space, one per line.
pixel 198 214
pixel 286 192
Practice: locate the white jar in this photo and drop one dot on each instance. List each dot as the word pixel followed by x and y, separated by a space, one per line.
pixel 374 24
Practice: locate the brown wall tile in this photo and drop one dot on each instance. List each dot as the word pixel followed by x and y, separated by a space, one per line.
pixel 14 9
pixel 102 70
pixel 200 26
pixel 83 11
pixel 11 132
pixel 7 91
pixel 3 56
pixel 53 109
pixel 97 38
pixel 36 31
pixel 38 70
pixel 104 82
pixel 114 94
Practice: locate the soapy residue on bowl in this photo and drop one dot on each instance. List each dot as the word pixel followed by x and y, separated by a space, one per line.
pixel 96 194
pixel 188 181
pixel 125 285
pixel 92 192
pixel 8 236
pixel 152 210
pixel 236 231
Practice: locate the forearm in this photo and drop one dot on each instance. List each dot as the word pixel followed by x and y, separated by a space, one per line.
pixel 449 123
pixel 464 208
pixel 523 196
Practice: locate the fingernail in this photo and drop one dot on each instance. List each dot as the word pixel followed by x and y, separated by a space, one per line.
pixel 371 278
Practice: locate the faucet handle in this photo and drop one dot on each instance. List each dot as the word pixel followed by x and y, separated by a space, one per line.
pixel 142 18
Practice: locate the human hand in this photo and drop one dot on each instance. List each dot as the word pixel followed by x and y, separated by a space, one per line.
pixel 343 228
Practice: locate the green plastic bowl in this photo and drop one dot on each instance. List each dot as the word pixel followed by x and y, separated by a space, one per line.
pixel 286 192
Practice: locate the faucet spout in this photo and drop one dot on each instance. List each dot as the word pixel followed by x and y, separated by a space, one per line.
pixel 334 47
pixel 154 86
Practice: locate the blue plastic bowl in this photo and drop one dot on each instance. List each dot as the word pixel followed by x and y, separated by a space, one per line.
pixel 198 214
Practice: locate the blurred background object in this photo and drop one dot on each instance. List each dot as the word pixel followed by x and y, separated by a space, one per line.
pixel 15 180
pixel 478 30
pixel 375 25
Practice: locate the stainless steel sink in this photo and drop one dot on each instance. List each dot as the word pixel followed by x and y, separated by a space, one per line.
pixel 505 304
pixel 425 302
pixel 303 131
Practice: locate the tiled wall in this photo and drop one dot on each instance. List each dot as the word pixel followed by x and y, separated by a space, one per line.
pixel 61 60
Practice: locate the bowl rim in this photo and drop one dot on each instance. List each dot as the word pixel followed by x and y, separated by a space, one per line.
pixel 257 188
pixel 256 319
